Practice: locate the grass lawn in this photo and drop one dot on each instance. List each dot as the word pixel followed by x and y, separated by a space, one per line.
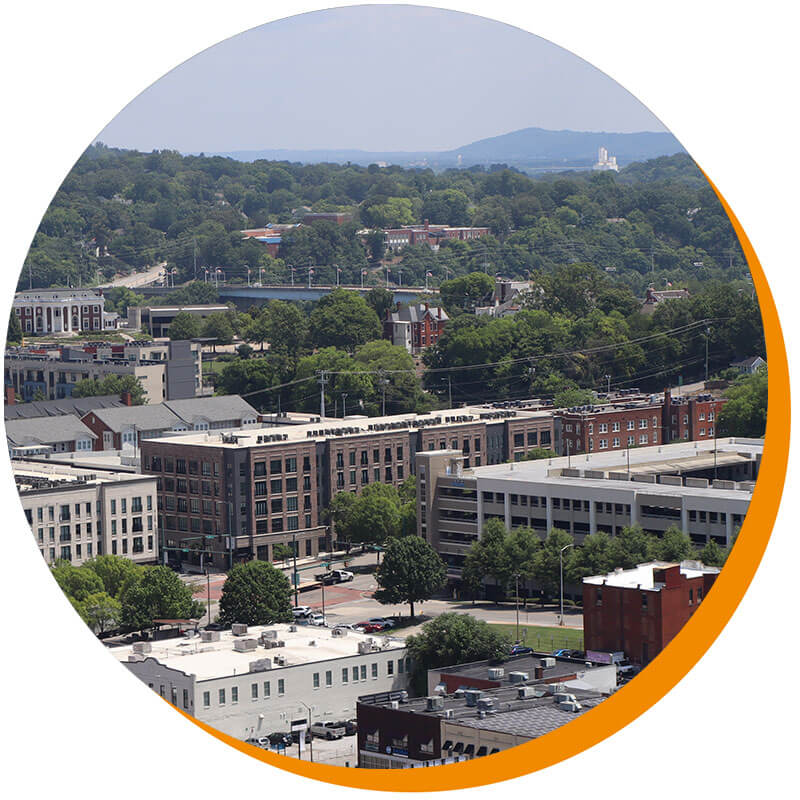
pixel 544 638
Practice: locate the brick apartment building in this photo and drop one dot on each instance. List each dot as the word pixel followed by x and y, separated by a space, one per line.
pixel 244 491
pixel 639 423
pixel 639 611
pixel 415 327
pixel 432 235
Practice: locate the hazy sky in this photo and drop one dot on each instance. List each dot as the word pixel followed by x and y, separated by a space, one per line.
pixel 373 78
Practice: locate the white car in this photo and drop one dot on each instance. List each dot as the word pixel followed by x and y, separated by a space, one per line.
pixel 386 623
pixel 316 619
pixel 301 612
pixel 328 730
pixel 343 575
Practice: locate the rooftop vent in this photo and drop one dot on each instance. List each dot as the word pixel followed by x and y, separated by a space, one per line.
pixel 209 636
pixel 472 696
pixel 239 629
pixel 547 663
pixel 434 703
pixel 495 673
pixel 261 665
pixel 142 647
pixel 518 677
pixel 245 645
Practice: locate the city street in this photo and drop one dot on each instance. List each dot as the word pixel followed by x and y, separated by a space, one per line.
pixel 353 602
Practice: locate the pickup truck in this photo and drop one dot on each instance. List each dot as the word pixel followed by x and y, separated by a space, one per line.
pixel 328 730
pixel 334 576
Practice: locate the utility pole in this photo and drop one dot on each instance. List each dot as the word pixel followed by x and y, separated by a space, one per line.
pixel 344 404
pixel 310 273
pixel 294 562
pixel 384 382
pixel 608 381
pixel 363 273
pixel 516 598
pixel 323 379
pixel 450 391
pixel 194 256
pixel 561 575
pixel 652 259
pixel 708 333
pixel 291 271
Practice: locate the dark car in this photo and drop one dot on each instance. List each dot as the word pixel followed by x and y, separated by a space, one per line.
pixel 279 739
pixel 294 736
pixel 520 650
pixel 350 726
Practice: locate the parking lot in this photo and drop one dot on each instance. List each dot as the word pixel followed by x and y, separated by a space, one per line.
pixel 338 752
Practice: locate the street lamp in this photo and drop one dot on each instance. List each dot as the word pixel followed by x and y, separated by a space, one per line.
pixel 344 404
pixel 561 575
pixel 516 600
pixel 311 742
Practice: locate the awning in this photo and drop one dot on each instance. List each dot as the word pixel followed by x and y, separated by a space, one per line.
pixel 469 749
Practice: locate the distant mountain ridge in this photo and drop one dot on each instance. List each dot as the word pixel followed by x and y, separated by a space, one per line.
pixel 531 149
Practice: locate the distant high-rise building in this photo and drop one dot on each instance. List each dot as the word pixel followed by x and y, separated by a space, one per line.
pixel 605 162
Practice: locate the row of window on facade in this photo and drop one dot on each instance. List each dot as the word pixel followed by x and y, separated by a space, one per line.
pixel 137 545
pixel 66 510
pixel 181 466
pixel 184 486
pixel 364 457
pixel 376 476
pixel 278 466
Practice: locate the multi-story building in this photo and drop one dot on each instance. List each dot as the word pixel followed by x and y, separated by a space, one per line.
pixel 506 299
pixel 655 297
pixel 258 680
pixel 639 611
pixel 415 327
pixel 166 370
pixel 76 514
pixel 43 311
pixel 432 235
pixel 247 490
pixel 61 434
pixel 638 423
pixel 484 709
pixel 703 487
pixel 116 428
pixel 157 319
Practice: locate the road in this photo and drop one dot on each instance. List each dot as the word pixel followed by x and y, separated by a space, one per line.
pixel 137 279
pixel 353 602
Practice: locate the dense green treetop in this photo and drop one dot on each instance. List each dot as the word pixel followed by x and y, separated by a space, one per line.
pixel 745 413
pixel 255 593
pixel 411 571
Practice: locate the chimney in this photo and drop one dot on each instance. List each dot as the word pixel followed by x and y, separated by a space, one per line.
pixel 126 398
pixel 439 312
pixel 11 397
pixel 427 224
pixel 427 306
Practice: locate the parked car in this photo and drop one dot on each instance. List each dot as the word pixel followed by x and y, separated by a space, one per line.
pixel 350 726
pixel 300 612
pixel 382 621
pixel 566 653
pixel 520 650
pixel 294 736
pixel 343 575
pixel 327 730
pixel 260 741
pixel 315 618
pixel 346 626
pixel 369 627
pixel 279 739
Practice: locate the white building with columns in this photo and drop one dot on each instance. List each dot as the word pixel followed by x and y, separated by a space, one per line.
pixel 42 311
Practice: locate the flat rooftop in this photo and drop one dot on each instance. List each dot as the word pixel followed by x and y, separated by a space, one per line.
pixel 642 576
pixel 523 663
pixel 329 428
pixel 34 475
pixel 209 660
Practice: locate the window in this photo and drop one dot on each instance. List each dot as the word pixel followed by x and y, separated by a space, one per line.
pixel 363 672
pixel 603 427
pixel 631 425
pixel 222 697
pixel 281 686
pixel 266 689
pixel 375 670
pixel 603 444
pixel 345 674
pixel 355 674
pixel 234 694
pixel 615 427
pixel 615 443
pixel 206 699
pixel 329 678
pixel 275 466
pixel 642 423
pixel 316 680
pixel 390 667
pixel 643 438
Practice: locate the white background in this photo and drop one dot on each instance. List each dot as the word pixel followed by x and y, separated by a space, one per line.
pixel 722 77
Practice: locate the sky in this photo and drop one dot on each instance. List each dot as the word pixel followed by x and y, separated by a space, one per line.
pixel 373 78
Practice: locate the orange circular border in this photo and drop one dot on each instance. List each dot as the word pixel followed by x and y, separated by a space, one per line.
pixel 662 673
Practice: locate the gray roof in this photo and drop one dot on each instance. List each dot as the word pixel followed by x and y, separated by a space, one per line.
pixel 68 405
pixel 65 428
pixel 523 663
pixel 145 418
pixel 214 409
pixel 416 312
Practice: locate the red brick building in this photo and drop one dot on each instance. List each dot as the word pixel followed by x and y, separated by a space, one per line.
pixel 660 420
pixel 415 327
pixel 639 611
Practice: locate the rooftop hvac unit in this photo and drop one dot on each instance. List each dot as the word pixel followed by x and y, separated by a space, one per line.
pixel 547 663
pixel 518 677
pixel 458 693
pixel 239 629
pixel 472 696
pixel 485 704
pixel 434 703
pixel 403 697
pixel 364 647
pixel 339 632
pixel 280 661
pixel 209 636
pixel 293 629
pixel 394 704
pixel 448 714
pixel 136 657
pixel 269 634
pixel 526 692
pixel 572 706
pixel 495 673
pixel 564 697
pixel 142 647
pixel 262 665
pixel 245 645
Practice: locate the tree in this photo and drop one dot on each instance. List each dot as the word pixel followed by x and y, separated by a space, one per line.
pixel 572 397
pixel 101 612
pixel 217 326
pixel 712 555
pixel 255 593
pixel 184 326
pixel 375 516
pixel 156 593
pixel 675 545
pixel 548 561
pixel 14 335
pixel 411 571
pixel 453 639
pixel 244 376
pixel 282 551
pixel 112 570
pixel 630 547
pixel 119 298
pixel 381 300
pixel 466 292
pixel 285 327
pixel 745 413
pixel 343 319
pixel 111 384
pixel 75 582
